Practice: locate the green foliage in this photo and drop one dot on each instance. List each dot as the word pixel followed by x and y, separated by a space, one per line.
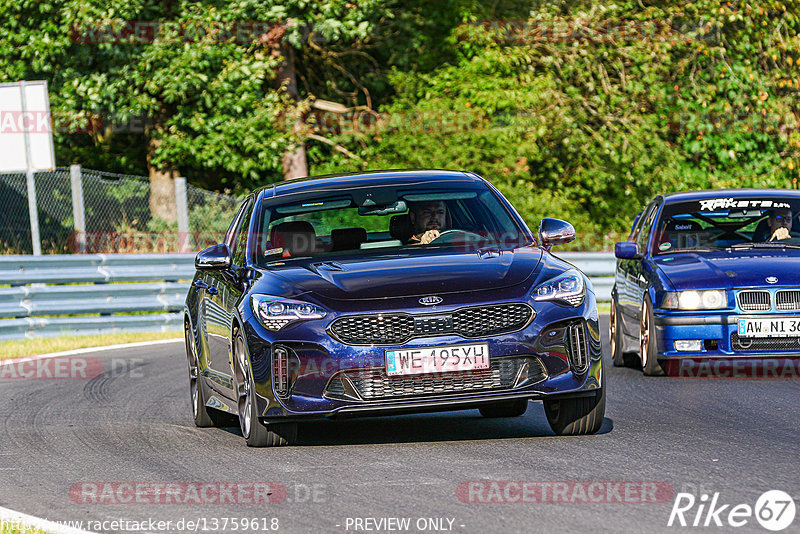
pixel 587 110
pixel 575 108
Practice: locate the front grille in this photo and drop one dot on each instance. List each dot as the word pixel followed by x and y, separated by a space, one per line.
pixel 374 384
pixel 787 300
pixel 764 344
pixel 754 300
pixel 397 328
pixel 578 351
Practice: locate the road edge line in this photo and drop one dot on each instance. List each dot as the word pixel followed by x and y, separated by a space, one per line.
pixel 76 352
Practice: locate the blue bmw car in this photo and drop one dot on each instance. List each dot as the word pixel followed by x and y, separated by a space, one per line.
pixel 709 274
pixel 389 293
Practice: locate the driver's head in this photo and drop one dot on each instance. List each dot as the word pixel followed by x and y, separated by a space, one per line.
pixel 780 218
pixel 428 215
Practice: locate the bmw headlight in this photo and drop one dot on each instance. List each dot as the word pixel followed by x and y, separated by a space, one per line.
pixel 567 288
pixel 276 312
pixel 711 299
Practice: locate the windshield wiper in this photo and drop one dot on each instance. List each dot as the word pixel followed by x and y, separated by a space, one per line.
pixel 687 250
pixel 768 244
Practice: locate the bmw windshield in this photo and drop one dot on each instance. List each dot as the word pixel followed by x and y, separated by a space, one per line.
pixel 386 219
pixel 757 221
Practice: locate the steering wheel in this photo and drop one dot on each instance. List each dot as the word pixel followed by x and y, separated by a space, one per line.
pixel 453 236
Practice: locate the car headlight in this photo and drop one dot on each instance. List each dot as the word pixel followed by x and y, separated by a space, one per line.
pixel 711 299
pixel 567 288
pixel 276 312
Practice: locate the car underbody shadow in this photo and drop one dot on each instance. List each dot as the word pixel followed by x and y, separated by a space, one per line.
pixel 463 425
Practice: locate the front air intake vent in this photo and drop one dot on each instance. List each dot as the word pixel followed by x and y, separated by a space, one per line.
pixel 578 350
pixel 280 371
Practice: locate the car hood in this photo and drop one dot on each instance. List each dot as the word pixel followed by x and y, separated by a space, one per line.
pixel 730 269
pixel 408 274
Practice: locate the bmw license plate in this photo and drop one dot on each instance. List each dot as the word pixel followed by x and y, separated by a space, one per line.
pixel 777 327
pixel 443 359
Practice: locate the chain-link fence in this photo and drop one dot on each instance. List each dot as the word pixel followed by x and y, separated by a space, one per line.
pixel 80 210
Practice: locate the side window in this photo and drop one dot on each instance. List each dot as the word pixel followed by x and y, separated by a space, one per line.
pixel 229 235
pixel 638 224
pixel 240 239
pixel 644 232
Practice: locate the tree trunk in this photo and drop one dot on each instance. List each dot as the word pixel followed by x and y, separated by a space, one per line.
pixel 162 187
pixel 294 159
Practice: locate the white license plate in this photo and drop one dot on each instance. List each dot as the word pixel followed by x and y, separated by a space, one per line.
pixel 777 327
pixel 443 359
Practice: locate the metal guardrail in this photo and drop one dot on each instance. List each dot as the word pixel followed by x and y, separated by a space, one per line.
pixel 598 266
pixel 96 294
pixel 93 294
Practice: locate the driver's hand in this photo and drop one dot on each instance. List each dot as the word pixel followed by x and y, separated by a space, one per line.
pixel 428 236
pixel 780 233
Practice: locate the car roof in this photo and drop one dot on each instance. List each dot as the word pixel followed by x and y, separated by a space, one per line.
pixel 682 196
pixel 349 181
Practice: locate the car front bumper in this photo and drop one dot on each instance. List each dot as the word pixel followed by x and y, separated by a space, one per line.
pixel 718 333
pixel 318 359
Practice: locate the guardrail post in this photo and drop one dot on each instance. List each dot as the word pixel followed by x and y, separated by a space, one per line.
pixel 33 213
pixel 182 206
pixel 78 213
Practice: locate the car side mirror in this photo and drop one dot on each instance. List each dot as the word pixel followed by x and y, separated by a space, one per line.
pixel 213 258
pixel 555 232
pixel 628 250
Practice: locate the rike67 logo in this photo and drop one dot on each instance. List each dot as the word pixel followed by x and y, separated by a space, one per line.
pixel 774 510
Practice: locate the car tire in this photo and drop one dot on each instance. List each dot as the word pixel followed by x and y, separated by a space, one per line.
pixel 204 416
pixel 615 336
pixel 648 342
pixel 513 408
pixel 575 416
pixel 255 433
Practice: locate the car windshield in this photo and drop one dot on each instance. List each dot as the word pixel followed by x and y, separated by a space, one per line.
pixel 728 223
pixel 383 219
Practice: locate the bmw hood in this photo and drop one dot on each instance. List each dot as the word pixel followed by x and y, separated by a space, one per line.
pixel 408 274
pixel 731 269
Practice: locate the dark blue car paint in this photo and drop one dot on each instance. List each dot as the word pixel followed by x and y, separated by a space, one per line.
pixel 651 276
pixel 460 278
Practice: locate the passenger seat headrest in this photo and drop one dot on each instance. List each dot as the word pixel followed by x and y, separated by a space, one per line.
pixel 400 227
pixel 348 238
pixel 296 237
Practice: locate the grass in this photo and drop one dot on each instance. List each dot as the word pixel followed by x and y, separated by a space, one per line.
pixel 6 528
pixel 45 345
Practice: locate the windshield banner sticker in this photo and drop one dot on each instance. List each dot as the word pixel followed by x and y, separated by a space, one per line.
pixel 727 203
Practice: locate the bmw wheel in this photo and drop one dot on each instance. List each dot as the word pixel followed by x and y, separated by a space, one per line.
pixel 648 342
pixel 254 432
pixel 615 335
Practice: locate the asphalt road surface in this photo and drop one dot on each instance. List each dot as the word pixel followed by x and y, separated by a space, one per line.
pixel 65 442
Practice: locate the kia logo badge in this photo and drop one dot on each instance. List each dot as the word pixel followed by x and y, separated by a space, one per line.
pixel 772 279
pixel 430 301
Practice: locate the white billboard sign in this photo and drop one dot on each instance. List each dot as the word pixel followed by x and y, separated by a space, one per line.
pixel 26 131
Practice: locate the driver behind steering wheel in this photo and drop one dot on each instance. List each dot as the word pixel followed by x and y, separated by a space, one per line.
pixel 428 220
